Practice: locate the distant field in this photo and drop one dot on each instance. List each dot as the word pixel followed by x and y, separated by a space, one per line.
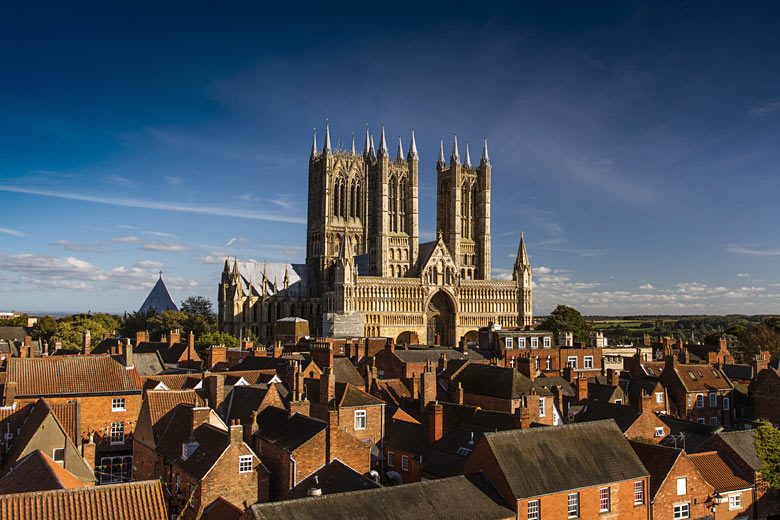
pixel 629 324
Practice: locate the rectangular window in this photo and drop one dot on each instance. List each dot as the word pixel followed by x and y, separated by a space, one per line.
pixel 588 362
pixel 360 420
pixel 659 431
pixel 726 403
pixel 117 432
pixel 534 510
pixel 536 363
pixel 682 511
pixel 390 459
pixel 404 462
pixel 604 502
pixel 699 400
pixel 520 342
pixel 534 342
pixel 548 363
pixel 546 341
pixel 244 463
pixel 713 400
pixel 682 486
pixel 639 492
pixel 58 455
pixel 574 505
pixel 700 420
pixel 510 343
pixel 118 404
pixel 659 397
pixel 713 421
pixel 572 362
pixel 735 501
pixel 115 469
pixel 541 407
pixel 690 401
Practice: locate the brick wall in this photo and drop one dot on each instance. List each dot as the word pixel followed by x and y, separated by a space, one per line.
pixel 413 466
pixel 224 480
pixel 279 465
pixel 644 428
pixel 698 490
pixel 143 461
pixel 350 451
pixel 621 503
pixel 374 422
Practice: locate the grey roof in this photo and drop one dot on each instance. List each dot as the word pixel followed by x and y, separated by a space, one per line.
pixel 346 372
pixel 504 383
pixel 421 355
pixel 548 382
pixel 333 477
pixel 597 410
pixel 17 333
pixel 287 431
pixel 158 300
pixel 743 443
pixel 461 497
pixel 738 371
pixel 302 278
pixel 693 433
pixel 542 461
pixel 148 363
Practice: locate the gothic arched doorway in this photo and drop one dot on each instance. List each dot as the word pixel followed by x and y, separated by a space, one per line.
pixel 440 320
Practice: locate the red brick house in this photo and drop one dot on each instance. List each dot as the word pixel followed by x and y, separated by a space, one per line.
pixel 677 490
pixel 733 493
pixel 701 393
pixel 405 363
pixel 764 394
pixel 592 472
pixel 633 424
pixel 37 472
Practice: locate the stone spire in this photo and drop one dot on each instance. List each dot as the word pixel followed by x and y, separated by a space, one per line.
pixel 400 154
pixel 485 159
pixel 286 279
pixel 367 149
pixel 352 150
pixel 265 279
pixel 522 254
pixel 382 145
pixel 314 144
pixel 440 162
pixel 455 155
pixel 467 161
pixel 326 148
pixel 371 152
pixel 412 156
pixel 227 265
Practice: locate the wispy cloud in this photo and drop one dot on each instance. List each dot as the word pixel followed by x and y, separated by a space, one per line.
pixel 173 180
pixel 150 264
pixel 743 275
pixel 11 232
pixel 172 247
pixel 765 109
pixel 240 240
pixel 117 179
pixel 80 246
pixel 126 240
pixel 285 201
pixel 158 234
pixel 158 205
pixel 753 252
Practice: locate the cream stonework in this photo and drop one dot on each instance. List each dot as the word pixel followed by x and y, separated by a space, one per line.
pixel 363 253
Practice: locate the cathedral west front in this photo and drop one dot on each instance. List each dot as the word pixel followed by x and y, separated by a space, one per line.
pixel 364 258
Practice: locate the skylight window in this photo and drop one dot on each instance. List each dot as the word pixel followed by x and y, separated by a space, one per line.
pixel 693 376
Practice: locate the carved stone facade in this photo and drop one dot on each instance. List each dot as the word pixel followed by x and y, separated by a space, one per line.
pixel 363 254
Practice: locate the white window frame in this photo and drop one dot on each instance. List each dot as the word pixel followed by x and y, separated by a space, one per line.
pixel 571 361
pixel 682 511
pixel 573 505
pixel 520 342
pixel 659 431
pixel 534 342
pixel 546 342
pixel 682 486
pixel 726 403
pixel 735 501
pixel 701 420
pixel 587 362
pixel 117 433
pixel 404 462
pixel 245 463
pixel 106 474
pixel 118 404
pixel 361 420
pixel 605 500
pixel 536 363
pixel 699 400
pixel 713 421
pixel 542 409
pixel 548 363
pixel 659 397
pixel 713 400
pixel 509 343
pixel 534 509
pixel 390 459
pixel 54 455
pixel 639 492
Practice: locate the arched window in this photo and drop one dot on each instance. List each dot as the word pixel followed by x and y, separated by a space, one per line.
pixel 344 206
pixel 402 206
pixel 336 195
pixel 358 202
pixel 352 202
pixel 473 212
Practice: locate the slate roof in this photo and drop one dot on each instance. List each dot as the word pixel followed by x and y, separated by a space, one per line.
pixel 287 432
pixel 720 474
pixel 14 333
pixel 542 461
pixel 346 372
pixel 446 457
pixel 346 394
pixel 148 364
pixel 694 434
pixel 137 500
pixel 548 382
pixel 158 300
pixel 71 375
pixel 301 277
pixel 595 410
pixel 333 477
pixel 744 372
pixel 212 443
pixel 185 381
pixel 405 436
pixel 453 498
pixel 743 443
pixel 659 461
pixel 170 354
pixel 37 472
pixel 244 400
pixel 493 381
pixel 422 355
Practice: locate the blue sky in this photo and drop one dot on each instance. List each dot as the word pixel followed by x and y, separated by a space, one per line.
pixel 634 143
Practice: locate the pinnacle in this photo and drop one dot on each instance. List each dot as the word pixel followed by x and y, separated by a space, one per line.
pixel 467 161
pixel 383 144
pixel 400 154
pixel 455 155
pixel 485 159
pixel 413 148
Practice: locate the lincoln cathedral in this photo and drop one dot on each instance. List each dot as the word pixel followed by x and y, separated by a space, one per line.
pixel 364 260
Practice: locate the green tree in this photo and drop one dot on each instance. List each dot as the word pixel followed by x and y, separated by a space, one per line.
pixel 17 321
pixel 767 439
pixel 205 341
pixel 45 328
pixel 567 319
pixel 197 305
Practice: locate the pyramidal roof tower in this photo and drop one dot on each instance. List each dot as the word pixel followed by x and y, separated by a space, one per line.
pixel 159 299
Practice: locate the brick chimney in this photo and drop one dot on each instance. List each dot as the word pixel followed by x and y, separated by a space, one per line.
pixel 322 353
pixel 613 377
pixel 389 347
pixel 527 367
pixel 200 415
pixel 142 336
pixel 685 357
pixel 278 350
pixel 760 362
pixel 670 360
pixel 327 386
pixel 9 394
pixel 647 340
pixel 191 341
pixel 236 432
pixel 522 418
pixel 128 353
pixel 435 422
pixel 45 348
pixel 462 346
pixel 427 385
pixel 215 354
pixel 86 343
pixel 106 335
pixel 174 337
pixel 568 374
pixel 216 390
pixel 247 345
pixel 28 341
pixel 582 388
pixel 459 393
pixel 645 402
pixel 88 449
pixel 24 351
pixel 332 433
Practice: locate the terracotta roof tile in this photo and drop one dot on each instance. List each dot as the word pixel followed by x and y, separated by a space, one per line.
pixel 66 415
pixel 702 378
pixel 173 381
pixel 716 470
pixel 37 472
pixel 70 375
pixel 162 403
pixel 137 500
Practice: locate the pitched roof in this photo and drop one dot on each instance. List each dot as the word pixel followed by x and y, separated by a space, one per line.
pixel 37 472
pixel 702 378
pixel 170 353
pixel 422 355
pixel 71 375
pixel 333 477
pixel 148 363
pixel 720 474
pixel 448 455
pixel 211 444
pixel 162 403
pixel 68 417
pixel 346 394
pixel 346 372
pixel 174 381
pixel 287 431
pixel 541 461
pixel 494 381
pixel 687 435
pixel 659 461
pixel 245 399
pixel 743 443
pixel 221 509
pixel 405 436
pixel 137 500
pixel 158 300
pixel 594 410
pixel 453 498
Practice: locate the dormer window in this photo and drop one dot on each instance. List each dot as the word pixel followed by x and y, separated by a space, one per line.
pixel 650 371
pixel 534 342
pixel 187 449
